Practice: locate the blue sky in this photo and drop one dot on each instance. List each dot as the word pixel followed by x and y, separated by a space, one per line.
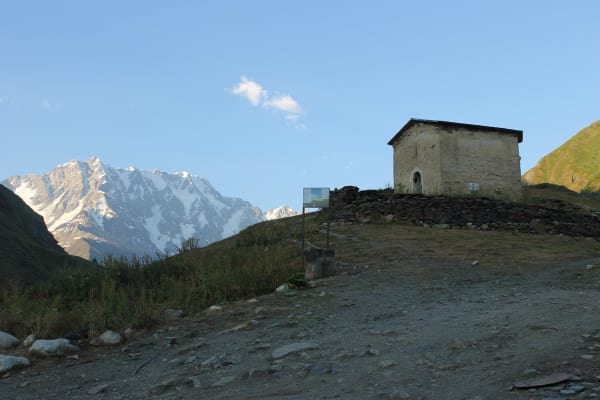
pixel 264 98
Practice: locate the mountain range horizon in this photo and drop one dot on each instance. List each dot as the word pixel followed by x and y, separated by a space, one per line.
pixel 94 209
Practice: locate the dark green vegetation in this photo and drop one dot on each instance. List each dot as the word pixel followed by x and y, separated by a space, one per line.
pixel 28 252
pixel 123 293
pixel 574 165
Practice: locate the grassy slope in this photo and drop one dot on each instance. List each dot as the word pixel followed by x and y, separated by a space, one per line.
pixel 575 164
pixel 28 252
pixel 133 293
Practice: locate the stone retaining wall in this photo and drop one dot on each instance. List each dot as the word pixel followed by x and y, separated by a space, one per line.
pixel 348 204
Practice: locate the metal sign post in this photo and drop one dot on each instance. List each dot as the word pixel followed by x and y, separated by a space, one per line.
pixel 315 198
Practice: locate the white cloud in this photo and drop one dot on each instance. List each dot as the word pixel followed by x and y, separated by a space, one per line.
pixel 284 103
pixel 257 95
pixel 46 104
pixel 251 90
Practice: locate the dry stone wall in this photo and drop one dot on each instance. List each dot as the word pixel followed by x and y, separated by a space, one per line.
pixel 349 204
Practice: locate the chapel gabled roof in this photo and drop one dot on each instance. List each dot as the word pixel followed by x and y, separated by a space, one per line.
pixel 447 124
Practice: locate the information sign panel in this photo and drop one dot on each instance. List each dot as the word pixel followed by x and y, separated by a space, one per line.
pixel 316 197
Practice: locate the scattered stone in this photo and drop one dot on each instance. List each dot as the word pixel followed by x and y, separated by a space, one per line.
pixel 288 349
pixel 128 332
pixel 530 371
pixel 98 389
pixel 8 363
pixel 209 362
pixel 29 340
pixel 215 308
pixel 253 300
pixel 196 381
pixel 7 340
pixel 441 226
pixel 173 315
pixel 281 374
pixel 370 352
pixel 51 348
pixel 283 288
pixel 165 385
pixel 324 367
pixel 475 263
pixel 386 364
pixel 256 373
pixel 587 356
pixel 224 381
pixel 236 328
pixel 109 338
pixel 541 381
pixel 192 347
pixel 395 395
pixel 219 362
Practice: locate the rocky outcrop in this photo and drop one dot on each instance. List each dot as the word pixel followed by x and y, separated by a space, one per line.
pixel 349 204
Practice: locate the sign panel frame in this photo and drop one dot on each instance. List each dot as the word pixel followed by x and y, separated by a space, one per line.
pixel 316 197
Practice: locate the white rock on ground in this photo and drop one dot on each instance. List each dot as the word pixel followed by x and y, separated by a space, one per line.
pixel 49 348
pixel 29 340
pixel 7 340
pixel 10 362
pixel 110 338
pixel 283 351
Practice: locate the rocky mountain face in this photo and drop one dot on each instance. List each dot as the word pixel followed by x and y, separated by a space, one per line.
pixel 574 165
pixel 28 252
pixel 280 212
pixel 94 210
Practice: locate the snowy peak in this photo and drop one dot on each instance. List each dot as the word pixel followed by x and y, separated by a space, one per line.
pixel 94 209
pixel 280 212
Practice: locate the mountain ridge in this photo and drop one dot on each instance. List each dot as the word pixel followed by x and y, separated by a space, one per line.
pixel 28 251
pixel 575 164
pixel 94 209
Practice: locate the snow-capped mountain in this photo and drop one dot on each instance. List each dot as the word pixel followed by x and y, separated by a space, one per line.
pixel 93 209
pixel 280 212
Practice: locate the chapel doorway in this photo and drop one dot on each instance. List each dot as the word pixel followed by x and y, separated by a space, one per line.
pixel 417 183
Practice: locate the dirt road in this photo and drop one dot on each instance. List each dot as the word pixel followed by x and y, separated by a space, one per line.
pixel 413 313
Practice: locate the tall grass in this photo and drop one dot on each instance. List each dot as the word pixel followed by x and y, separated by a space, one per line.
pixel 121 292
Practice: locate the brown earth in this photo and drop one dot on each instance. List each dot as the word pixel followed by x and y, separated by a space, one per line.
pixel 417 313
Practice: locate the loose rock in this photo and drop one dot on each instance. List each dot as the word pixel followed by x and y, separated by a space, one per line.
pixel 98 389
pixel 11 362
pixel 224 381
pixel 7 340
pixel 109 338
pixel 29 340
pixel 51 348
pixel 288 349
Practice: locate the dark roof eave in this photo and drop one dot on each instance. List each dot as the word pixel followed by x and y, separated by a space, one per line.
pixel 413 121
